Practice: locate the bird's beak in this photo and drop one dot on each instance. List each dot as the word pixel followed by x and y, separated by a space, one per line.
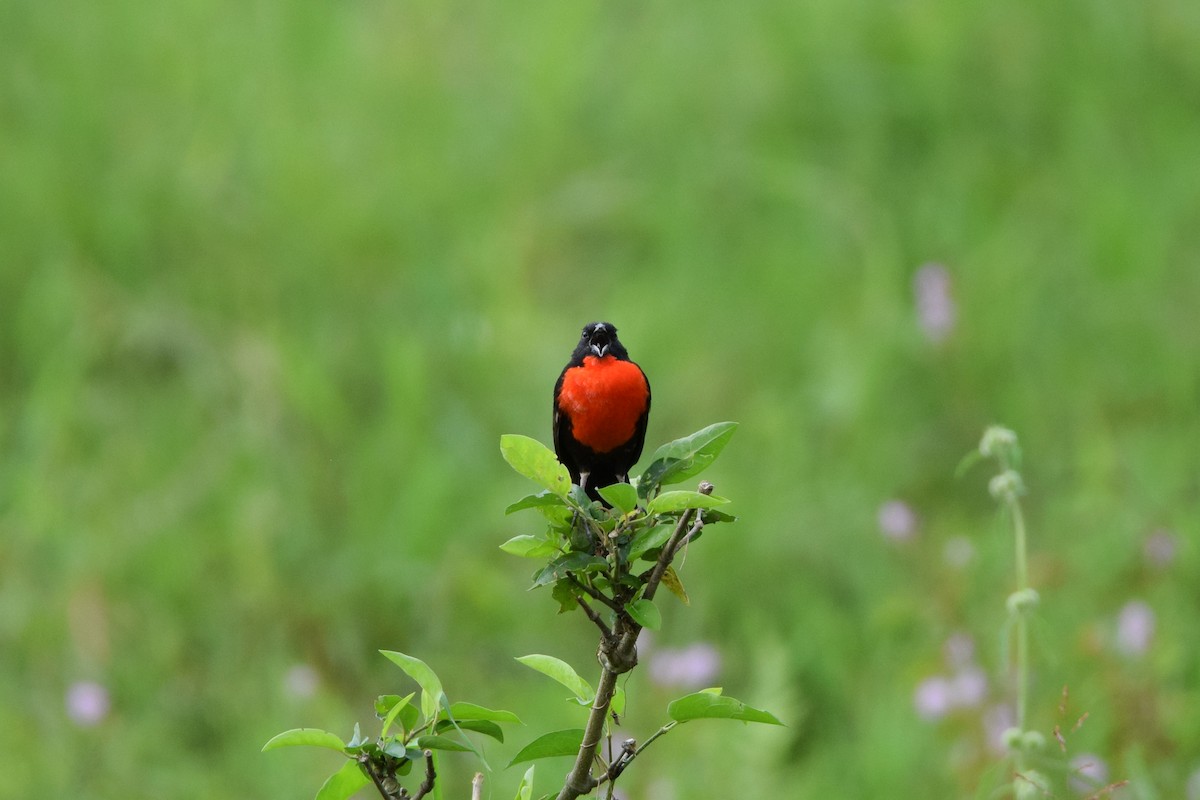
pixel 598 350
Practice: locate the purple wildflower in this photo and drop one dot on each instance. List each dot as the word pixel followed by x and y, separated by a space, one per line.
pixel 897 521
pixel 694 666
pixel 933 698
pixel 968 687
pixel 1135 628
pixel 965 687
pixel 87 703
pixel 936 311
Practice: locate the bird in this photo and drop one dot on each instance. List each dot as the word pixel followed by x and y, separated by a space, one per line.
pixel 601 405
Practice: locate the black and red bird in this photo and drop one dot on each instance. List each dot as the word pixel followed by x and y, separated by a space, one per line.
pixel 601 404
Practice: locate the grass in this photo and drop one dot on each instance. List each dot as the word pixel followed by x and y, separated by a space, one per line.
pixel 275 277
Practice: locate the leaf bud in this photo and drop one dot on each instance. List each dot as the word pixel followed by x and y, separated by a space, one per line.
pixel 1007 485
pixel 997 442
pixel 1022 601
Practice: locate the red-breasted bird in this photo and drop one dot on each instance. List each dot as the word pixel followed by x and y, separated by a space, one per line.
pixel 601 404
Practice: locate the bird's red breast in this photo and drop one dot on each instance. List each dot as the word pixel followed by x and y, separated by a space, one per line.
pixel 604 399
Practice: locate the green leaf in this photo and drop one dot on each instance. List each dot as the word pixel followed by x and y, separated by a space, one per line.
pixel 431 688
pixel 396 749
pixel 710 705
pixel 571 562
pixel 442 743
pixel 343 783
pixel 558 743
pixel 712 516
pixel 356 739
pixel 670 579
pixel 645 613
pixel 581 539
pixel 710 440
pixel 535 461
pixel 398 709
pixel 565 594
pixel 528 546
pixel 969 460
pixel 539 500
pixel 306 737
pixel 408 718
pixel 525 789
pixel 622 496
pixel 484 726
pixel 559 517
pixel 578 498
pixel 560 671
pixel 649 539
pixel 678 501
pixel 461 711
pixel 684 458
pixel 384 703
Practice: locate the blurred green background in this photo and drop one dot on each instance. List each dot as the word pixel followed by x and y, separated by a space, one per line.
pixel 274 278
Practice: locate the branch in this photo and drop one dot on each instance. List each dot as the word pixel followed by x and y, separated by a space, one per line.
pixel 368 766
pixel 682 533
pixel 629 752
pixel 625 650
pixel 580 780
pixel 593 593
pixel 594 617
pixel 430 776
pixel 618 654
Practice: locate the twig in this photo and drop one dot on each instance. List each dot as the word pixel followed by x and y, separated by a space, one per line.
pixel 611 761
pixel 592 592
pixel 628 755
pixel 430 776
pixel 682 531
pixel 605 631
pixel 1112 787
pixel 670 726
pixel 691 534
pixel 477 786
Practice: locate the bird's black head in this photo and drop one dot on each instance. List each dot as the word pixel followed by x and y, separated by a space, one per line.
pixel 600 339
